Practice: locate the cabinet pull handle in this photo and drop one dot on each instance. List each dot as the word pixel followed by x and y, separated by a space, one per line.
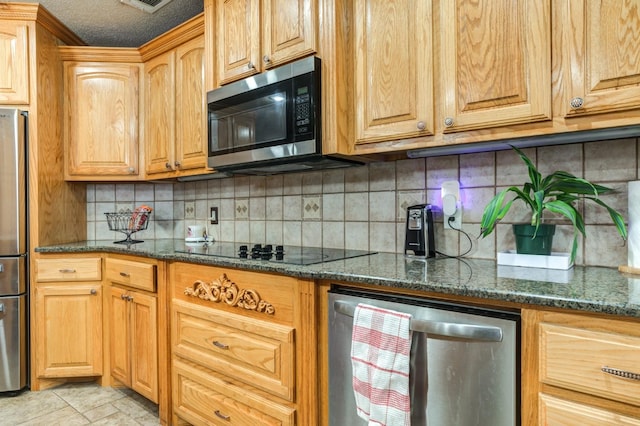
pixel 576 102
pixel 129 298
pixel 1 267
pixel 222 416
pixel 167 165
pixel 1 307
pixel 93 291
pixel 125 274
pixel 177 163
pixel 250 65
pixel 66 271
pixel 123 296
pixel 421 125
pixel 220 345
pixel 448 122
pixel 266 59
pixel 620 373
pixel 132 170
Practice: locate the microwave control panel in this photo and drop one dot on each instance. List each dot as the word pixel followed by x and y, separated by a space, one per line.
pixel 303 110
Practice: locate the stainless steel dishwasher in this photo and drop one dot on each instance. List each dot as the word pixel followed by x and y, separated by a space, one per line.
pixel 465 361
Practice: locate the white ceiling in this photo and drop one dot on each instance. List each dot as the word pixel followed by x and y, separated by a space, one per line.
pixel 109 23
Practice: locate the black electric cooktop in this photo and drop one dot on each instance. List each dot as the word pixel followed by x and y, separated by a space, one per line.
pixel 270 252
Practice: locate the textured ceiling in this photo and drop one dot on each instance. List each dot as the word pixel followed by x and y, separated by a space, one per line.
pixel 109 23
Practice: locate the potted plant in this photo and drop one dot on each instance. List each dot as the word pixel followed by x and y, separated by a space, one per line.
pixel 557 193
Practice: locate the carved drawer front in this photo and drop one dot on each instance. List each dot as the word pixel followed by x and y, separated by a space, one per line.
pixel 262 296
pixel 556 411
pixel 202 398
pixel 132 274
pixel 68 269
pixel 597 363
pixel 258 353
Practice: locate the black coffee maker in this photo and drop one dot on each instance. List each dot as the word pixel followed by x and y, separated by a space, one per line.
pixel 420 232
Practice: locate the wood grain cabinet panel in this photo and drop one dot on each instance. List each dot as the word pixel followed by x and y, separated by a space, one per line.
pixel 496 63
pixel 255 35
pixel 14 63
pixel 68 329
pixel 573 358
pixel 133 325
pixel 393 69
pixel 559 412
pixel 175 111
pixel 204 398
pixel 600 52
pixel 101 121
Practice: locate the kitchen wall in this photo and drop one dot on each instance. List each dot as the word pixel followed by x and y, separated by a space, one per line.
pixel 365 207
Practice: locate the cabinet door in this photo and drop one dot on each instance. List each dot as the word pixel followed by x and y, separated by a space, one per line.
pixel 393 69
pixel 191 119
pixel 160 111
pixel 237 39
pixel 68 327
pixel 144 345
pixel 289 30
pixel 600 51
pixel 119 335
pixel 14 64
pixel 101 121
pixel 496 63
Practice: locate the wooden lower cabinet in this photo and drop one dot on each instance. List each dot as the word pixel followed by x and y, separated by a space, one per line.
pixel 133 325
pixel 583 369
pixel 243 347
pixel 67 315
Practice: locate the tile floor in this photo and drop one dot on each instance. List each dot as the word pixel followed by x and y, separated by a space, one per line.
pixel 78 404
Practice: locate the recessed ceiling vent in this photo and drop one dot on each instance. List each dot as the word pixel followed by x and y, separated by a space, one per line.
pixel 149 6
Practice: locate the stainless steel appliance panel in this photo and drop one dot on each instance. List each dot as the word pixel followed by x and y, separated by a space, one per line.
pixel 12 183
pixel 13 279
pixel 13 341
pixel 460 374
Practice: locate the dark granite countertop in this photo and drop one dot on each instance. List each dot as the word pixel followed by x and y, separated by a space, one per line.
pixel 588 289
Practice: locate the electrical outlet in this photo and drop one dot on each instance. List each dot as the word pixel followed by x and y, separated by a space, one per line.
pixel 454 221
pixel 213 215
pixel 451 205
pixel 189 210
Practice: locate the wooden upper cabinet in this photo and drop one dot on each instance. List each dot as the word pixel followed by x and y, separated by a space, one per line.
pixel 191 109
pixel 160 106
pixel 254 35
pixel 496 63
pixel 14 63
pixel 600 52
pixel 101 121
pixel 175 120
pixel 289 30
pixel 393 69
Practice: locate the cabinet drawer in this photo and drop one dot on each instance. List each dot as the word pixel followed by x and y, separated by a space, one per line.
pixel 68 269
pixel 262 296
pixel 573 358
pixel 202 398
pixel 131 274
pixel 555 411
pixel 258 353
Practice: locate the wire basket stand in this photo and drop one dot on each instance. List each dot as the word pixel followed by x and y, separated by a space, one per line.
pixel 128 223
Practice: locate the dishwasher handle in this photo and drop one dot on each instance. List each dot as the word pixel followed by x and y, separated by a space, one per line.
pixel 438 328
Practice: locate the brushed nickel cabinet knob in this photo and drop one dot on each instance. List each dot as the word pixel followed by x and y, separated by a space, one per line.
pixel 448 122
pixel 576 102
pixel 421 125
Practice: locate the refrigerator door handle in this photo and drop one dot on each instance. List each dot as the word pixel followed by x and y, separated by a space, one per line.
pixel 1 267
pixel 1 307
pixel 439 328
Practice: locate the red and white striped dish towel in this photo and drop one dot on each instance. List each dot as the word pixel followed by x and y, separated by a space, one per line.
pixel 380 349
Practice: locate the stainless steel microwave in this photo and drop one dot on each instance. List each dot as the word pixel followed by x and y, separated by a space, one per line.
pixel 270 122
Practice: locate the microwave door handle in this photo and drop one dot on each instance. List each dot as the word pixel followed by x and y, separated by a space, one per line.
pixel 438 328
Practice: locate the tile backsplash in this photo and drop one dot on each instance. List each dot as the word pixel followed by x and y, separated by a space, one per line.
pixel 365 207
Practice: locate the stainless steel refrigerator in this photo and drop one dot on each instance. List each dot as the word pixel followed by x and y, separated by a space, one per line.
pixel 13 251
